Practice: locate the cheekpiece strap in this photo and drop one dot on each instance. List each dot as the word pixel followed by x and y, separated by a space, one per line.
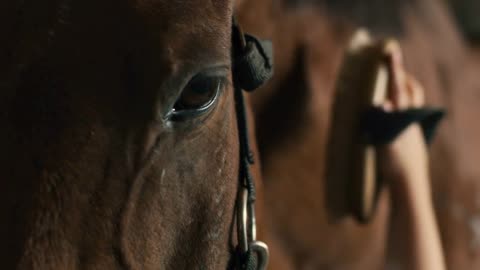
pixel 253 60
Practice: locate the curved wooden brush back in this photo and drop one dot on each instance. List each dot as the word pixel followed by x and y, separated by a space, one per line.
pixel 362 83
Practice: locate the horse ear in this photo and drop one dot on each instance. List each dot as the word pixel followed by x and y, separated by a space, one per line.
pixel 252 60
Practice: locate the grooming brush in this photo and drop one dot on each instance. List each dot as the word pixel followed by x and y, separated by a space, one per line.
pixel 362 84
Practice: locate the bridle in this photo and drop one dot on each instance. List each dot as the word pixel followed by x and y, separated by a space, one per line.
pixel 252 66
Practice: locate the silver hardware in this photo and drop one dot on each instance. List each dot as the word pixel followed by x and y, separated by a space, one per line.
pixel 247 230
pixel 261 250
pixel 242 217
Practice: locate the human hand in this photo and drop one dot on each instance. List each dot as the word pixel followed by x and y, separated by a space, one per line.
pixel 405 160
pixel 414 240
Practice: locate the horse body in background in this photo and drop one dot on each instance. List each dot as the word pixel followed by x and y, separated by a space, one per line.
pixel 119 143
pixel 293 112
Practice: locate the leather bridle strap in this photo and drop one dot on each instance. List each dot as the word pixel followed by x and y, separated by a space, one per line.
pixel 251 67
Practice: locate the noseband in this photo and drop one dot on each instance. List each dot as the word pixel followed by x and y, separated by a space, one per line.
pixel 252 67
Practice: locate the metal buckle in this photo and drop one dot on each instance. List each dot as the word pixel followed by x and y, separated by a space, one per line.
pixel 261 250
pixel 247 231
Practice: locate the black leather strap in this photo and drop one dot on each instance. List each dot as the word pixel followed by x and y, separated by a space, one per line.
pixel 253 60
pixel 382 127
pixel 246 261
pixel 252 66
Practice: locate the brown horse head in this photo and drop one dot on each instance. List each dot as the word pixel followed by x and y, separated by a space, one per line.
pixel 119 136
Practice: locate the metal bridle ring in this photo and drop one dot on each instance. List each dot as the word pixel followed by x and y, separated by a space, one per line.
pixel 242 220
pixel 261 250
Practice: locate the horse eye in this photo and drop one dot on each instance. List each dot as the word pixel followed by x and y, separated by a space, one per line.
pixel 197 97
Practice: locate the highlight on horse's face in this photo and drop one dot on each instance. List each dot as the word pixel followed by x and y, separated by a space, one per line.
pixel 119 146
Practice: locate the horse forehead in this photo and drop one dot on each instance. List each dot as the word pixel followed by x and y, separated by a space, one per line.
pixel 188 28
pixel 186 11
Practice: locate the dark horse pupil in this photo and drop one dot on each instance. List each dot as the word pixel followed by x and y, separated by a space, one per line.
pixel 198 93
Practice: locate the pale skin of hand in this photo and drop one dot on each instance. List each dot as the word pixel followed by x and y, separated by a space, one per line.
pixel 414 240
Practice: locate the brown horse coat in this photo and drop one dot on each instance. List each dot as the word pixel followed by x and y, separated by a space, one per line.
pixel 293 113
pixel 93 172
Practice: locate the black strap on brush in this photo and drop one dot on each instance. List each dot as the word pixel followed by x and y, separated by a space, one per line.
pixel 252 66
pixel 383 127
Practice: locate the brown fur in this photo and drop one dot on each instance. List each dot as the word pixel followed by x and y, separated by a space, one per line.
pixel 293 118
pixel 91 176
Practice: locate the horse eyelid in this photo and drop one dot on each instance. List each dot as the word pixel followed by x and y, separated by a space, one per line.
pixel 192 113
